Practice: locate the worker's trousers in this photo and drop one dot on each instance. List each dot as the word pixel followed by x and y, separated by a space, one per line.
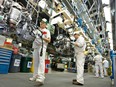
pixel 39 64
pixel 80 60
pixel 105 71
pixel 99 67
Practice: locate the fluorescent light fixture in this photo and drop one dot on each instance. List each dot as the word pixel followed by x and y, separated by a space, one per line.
pixel 42 4
pixel 105 2
pixel 107 13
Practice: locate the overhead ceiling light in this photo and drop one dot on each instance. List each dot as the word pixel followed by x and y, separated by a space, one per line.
pixel 42 4
pixel 105 2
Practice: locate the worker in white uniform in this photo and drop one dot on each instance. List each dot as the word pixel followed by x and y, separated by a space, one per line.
pixel 98 65
pixel 39 59
pixel 79 47
pixel 105 66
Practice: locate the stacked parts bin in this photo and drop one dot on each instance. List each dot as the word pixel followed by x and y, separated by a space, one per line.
pixel 5 57
pixel 15 63
pixel 26 64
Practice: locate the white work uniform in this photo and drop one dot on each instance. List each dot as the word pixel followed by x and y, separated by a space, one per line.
pixel 98 65
pixel 80 58
pixel 105 67
pixel 39 61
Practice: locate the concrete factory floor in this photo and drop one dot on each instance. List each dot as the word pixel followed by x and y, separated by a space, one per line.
pixel 53 79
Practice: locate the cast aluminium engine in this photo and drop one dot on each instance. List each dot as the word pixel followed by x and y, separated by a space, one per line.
pixel 63 45
pixel 15 13
pixel 11 11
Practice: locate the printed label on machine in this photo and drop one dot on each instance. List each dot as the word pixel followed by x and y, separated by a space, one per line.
pixel 29 64
pixel 17 62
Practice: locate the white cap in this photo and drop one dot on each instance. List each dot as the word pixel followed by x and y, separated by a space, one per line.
pixel 76 32
pixel 44 20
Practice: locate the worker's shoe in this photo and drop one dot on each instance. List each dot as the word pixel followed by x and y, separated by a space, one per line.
pixel 39 83
pixel 96 76
pixel 74 80
pixel 33 78
pixel 77 83
pixel 102 77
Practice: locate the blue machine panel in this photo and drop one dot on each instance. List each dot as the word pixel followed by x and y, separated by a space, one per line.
pixel 5 56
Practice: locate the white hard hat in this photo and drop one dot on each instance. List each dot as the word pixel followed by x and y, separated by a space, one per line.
pixel 76 32
pixel 44 20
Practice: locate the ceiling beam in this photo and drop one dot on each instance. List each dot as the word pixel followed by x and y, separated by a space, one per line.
pixel 91 7
pixel 68 5
pixel 92 15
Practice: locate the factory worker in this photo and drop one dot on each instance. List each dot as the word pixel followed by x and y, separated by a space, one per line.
pixel 105 66
pixel 79 47
pixel 39 46
pixel 98 65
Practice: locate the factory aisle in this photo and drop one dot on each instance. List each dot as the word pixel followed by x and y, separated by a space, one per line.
pixel 54 79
